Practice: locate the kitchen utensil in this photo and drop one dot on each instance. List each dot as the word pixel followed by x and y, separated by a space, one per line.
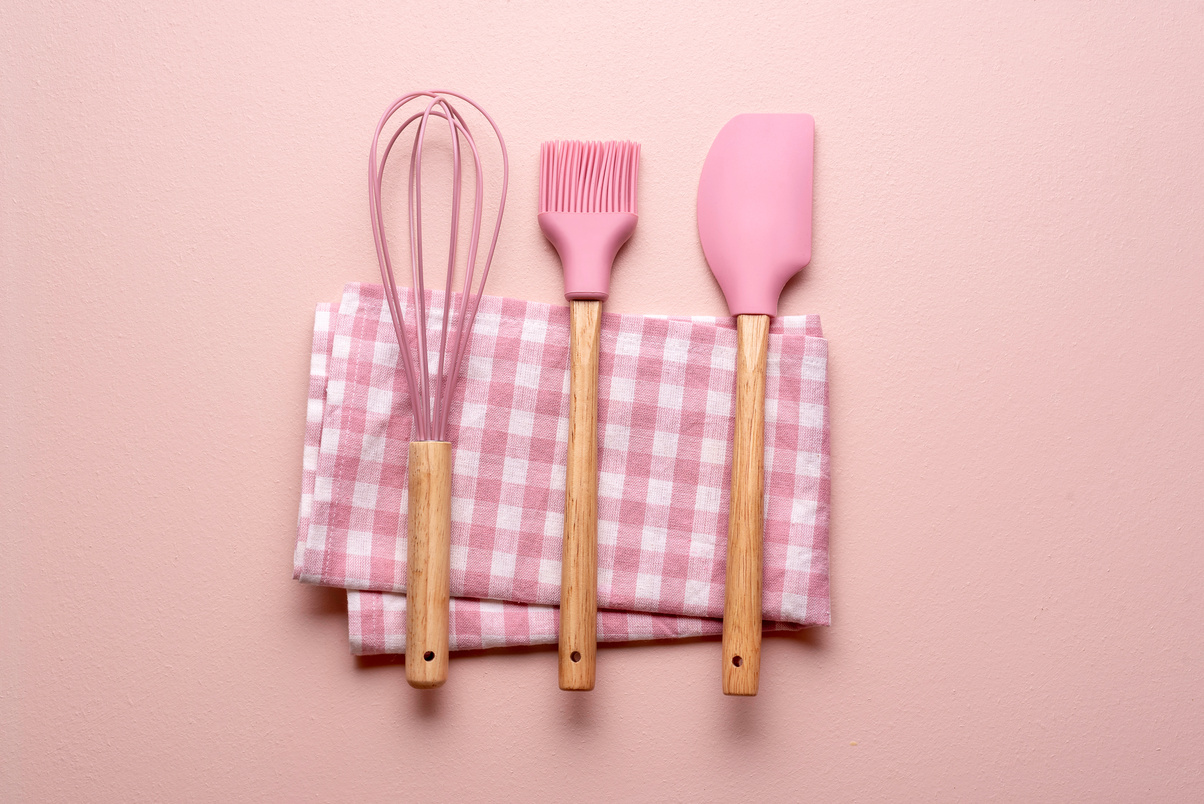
pixel 587 209
pixel 430 462
pixel 754 221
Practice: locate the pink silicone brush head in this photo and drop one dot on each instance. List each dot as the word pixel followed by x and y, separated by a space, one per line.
pixel 587 209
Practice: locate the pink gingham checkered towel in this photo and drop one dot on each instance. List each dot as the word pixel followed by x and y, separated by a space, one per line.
pixel 665 418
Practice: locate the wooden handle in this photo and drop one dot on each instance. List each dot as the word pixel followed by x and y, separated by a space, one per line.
pixel 742 598
pixel 429 563
pixel 579 573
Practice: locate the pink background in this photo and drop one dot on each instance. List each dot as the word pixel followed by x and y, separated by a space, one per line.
pixel 1009 262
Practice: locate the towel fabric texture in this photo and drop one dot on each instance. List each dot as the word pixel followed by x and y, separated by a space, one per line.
pixel 665 420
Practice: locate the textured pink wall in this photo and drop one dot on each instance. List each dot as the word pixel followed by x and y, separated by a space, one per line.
pixel 1009 262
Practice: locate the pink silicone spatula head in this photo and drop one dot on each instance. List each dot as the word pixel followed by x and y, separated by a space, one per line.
pixel 754 207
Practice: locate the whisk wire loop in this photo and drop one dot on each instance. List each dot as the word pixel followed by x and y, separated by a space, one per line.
pixel 431 412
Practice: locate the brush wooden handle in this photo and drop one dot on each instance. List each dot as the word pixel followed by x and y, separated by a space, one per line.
pixel 579 572
pixel 742 595
pixel 428 563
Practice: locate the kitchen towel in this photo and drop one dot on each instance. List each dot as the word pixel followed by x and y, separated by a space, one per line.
pixel 665 421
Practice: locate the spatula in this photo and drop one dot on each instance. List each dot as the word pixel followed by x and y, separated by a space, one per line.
pixel 754 221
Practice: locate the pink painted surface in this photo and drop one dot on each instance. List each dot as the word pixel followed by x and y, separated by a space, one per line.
pixel 1009 263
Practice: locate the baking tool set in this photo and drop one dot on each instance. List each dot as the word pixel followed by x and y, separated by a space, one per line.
pixel 754 220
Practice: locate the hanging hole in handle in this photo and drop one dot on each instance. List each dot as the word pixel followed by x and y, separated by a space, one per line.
pixel 429 656
pixel 575 656
pixel 737 661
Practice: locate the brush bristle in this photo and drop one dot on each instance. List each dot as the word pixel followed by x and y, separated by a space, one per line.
pixel 577 176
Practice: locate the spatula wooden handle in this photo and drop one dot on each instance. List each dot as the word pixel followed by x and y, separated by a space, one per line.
pixel 428 563
pixel 742 597
pixel 579 573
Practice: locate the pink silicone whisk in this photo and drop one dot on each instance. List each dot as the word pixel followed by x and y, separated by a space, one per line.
pixel 429 521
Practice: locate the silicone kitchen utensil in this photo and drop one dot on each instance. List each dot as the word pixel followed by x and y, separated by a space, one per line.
pixel 754 221
pixel 587 209
pixel 430 463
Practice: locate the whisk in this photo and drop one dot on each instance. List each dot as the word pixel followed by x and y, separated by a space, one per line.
pixel 429 521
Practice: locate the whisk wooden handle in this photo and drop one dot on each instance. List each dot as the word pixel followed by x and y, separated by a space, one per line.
pixel 579 573
pixel 428 563
pixel 742 597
